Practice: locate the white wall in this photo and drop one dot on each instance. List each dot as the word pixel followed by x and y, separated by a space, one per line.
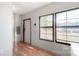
pixel 34 15
pixel 6 29
pixel 74 49
pixel 17 22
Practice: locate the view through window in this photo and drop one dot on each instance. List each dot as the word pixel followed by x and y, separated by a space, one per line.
pixel 67 26
pixel 46 27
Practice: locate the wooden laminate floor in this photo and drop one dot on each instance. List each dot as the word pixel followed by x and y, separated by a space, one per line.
pixel 24 49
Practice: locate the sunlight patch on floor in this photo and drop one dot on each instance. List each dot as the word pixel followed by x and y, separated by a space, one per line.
pixel 30 47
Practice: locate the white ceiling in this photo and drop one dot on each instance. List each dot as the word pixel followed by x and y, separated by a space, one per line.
pixel 25 7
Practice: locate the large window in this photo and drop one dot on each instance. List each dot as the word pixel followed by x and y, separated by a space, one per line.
pixel 66 29
pixel 67 26
pixel 46 27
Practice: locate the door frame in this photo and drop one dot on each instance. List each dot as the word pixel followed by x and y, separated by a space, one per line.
pixel 24 29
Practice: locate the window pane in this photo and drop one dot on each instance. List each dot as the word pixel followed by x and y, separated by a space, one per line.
pixel 73 34
pixel 61 34
pixel 43 21
pixel 46 20
pixel 73 22
pixel 73 26
pixel 49 33
pixel 43 33
pixel 61 16
pixel 73 14
pixel 43 36
pixel 46 30
pixel 61 22
pixel 61 19
pixel 43 30
pixel 61 27
pixel 68 26
pixel 49 20
pixel 46 33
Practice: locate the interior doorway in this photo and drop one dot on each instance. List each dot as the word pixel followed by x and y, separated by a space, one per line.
pixel 27 30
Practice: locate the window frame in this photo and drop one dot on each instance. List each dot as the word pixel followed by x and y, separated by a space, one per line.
pixel 54 20
pixel 52 27
pixel 56 25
